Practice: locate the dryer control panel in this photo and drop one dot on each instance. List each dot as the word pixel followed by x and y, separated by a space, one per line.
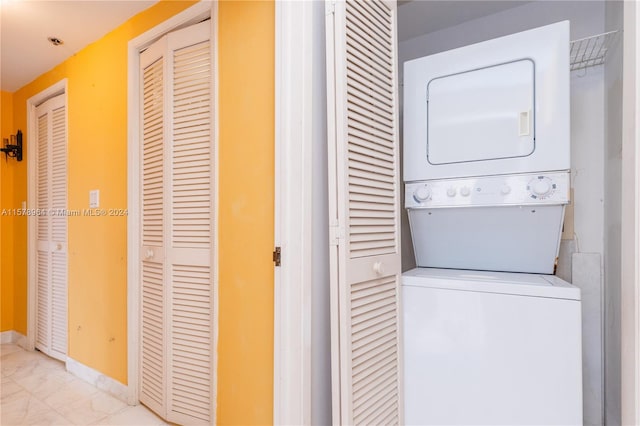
pixel 520 189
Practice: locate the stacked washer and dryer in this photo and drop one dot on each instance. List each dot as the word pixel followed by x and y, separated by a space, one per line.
pixel 491 335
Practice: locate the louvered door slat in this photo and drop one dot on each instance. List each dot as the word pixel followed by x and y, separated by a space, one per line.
pixel 363 112
pixel 360 88
pixel 369 115
pixel 359 28
pixel 372 147
pixel 362 382
pixel 376 17
pixel 366 101
pixel 42 296
pixel 364 138
pixel 153 154
pixel 357 181
pixel 192 168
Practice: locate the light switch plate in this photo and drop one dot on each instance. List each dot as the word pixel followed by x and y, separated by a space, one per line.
pixel 94 198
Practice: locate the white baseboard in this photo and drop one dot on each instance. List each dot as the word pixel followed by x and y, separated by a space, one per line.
pixel 97 379
pixel 6 337
pixel 13 336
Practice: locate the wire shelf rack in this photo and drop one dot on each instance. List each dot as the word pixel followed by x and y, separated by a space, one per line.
pixel 591 51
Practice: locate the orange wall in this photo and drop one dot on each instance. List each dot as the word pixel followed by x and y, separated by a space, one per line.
pixel 246 156
pixel 6 217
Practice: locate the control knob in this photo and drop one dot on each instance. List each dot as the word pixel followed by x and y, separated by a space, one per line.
pixel 541 187
pixel 422 193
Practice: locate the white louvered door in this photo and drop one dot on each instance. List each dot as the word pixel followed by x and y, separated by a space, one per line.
pixel 177 253
pixel 51 228
pixel 364 211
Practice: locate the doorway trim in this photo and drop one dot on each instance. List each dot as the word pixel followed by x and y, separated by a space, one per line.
pixel 630 274
pixel 293 212
pixel 58 88
pixel 192 15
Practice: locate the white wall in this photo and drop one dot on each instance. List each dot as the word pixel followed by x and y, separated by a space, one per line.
pixel 588 97
pixel 587 173
pixel 612 219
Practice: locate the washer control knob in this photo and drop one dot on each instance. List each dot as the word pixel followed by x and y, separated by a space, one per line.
pixel 465 191
pixel 451 191
pixel 506 189
pixel 422 193
pixel 541 187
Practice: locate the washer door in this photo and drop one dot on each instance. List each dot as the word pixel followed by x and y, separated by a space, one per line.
pixel 482 114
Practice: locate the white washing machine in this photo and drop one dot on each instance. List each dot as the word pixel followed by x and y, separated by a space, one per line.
pixel 491 108
pixel 487 348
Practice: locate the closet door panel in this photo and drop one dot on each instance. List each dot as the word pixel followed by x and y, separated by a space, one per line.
pixel 364 212
pixel 43 230
pixel 58 223
pixel 154 299
pixel 191 223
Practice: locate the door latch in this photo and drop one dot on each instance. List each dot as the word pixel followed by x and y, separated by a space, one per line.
pixel 277 254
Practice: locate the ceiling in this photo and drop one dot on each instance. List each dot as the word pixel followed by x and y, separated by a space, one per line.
pixel 25 26
pixel 420 17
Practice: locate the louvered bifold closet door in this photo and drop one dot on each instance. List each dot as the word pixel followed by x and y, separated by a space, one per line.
pixel 178 374
pixel 51 228
pixel 364 211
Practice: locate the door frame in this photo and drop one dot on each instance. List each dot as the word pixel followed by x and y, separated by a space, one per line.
pixel 192 15
pixel 630 235
pixel 59 88
pixel 293 212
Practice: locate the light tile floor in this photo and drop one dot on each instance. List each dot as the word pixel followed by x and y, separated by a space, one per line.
pixel 37 390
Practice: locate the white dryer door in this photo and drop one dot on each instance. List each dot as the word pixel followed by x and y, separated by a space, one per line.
pixel 482 114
